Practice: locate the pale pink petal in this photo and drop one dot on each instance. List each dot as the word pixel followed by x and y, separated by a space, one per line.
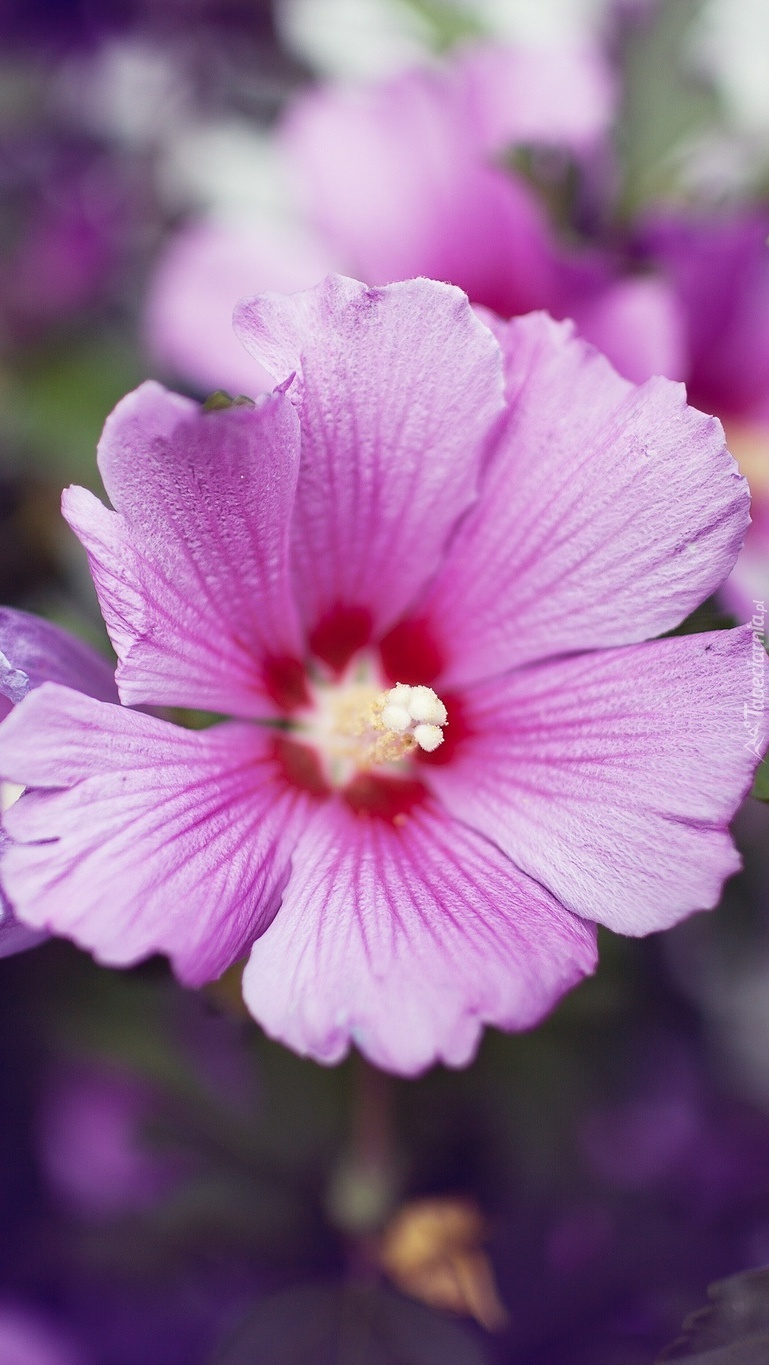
pixel 608 513
pixel 395 177
pixel 149 838
pixel 14 937
pixel 559 96
pixel 201 273
pixel 399 391
pixel 611 777
pixel 405 940
pixel 36 651
pixel 191 568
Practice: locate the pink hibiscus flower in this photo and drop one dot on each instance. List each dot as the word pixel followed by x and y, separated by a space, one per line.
pixel 414 177
pixel 418 577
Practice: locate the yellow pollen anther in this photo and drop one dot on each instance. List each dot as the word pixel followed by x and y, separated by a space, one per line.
pixel 416 713
pixel 358 727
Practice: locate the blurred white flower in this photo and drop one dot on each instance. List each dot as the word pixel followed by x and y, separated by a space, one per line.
pixel 130 90
pixel 362 39
pixel 366 39
pixel 227 166
pixel 732 44
pixel 546 21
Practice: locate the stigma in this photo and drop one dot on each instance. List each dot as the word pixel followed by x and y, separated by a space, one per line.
pixel 356 727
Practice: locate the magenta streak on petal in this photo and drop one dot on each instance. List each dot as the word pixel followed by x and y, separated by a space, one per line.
pixel 162 839
pixel 35 651
pixel 392 443
pixel 192 567
pixel 600 522
pixel 611 777
pixel 405 939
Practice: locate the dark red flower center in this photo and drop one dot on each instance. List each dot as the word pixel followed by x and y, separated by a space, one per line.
pixel 362 717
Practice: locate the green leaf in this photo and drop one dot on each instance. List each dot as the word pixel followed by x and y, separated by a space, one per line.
pixel 761 781
pixel 446 22
pixel 194 720
pixel 347 1325
pixel 220 400
pixel 665 104
pixel 56 400
pixel 554 175
pixel 733 1330
pixel 709 615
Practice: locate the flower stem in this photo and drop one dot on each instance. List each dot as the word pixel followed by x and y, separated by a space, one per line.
pixel 365 1185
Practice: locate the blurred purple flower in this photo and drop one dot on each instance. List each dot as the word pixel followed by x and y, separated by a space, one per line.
pixel 71 211
pixel 34 652
pixel 662 1185
pixel 415 507
pixel 55 27
pixel 92 1143
pixel 409 178
pixel 29 1337
pixel 718 264
pixel 42 25
pixel 675 1133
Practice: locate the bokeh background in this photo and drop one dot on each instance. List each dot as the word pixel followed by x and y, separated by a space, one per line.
pixel 175 1189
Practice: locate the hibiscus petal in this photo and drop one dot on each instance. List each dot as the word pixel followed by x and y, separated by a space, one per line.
pixel 14 937
pixel 611 777
pixel 149 838
pixel 204 270
pixel 398 390
pixel 406 940
pixel 192 567
pixel 608 513
pixel 35 651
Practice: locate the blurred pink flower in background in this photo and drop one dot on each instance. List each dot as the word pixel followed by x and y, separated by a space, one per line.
pixel 293 562
pixel 718 264
pixel 415 177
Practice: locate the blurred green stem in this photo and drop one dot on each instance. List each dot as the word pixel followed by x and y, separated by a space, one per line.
pixel 365 1185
